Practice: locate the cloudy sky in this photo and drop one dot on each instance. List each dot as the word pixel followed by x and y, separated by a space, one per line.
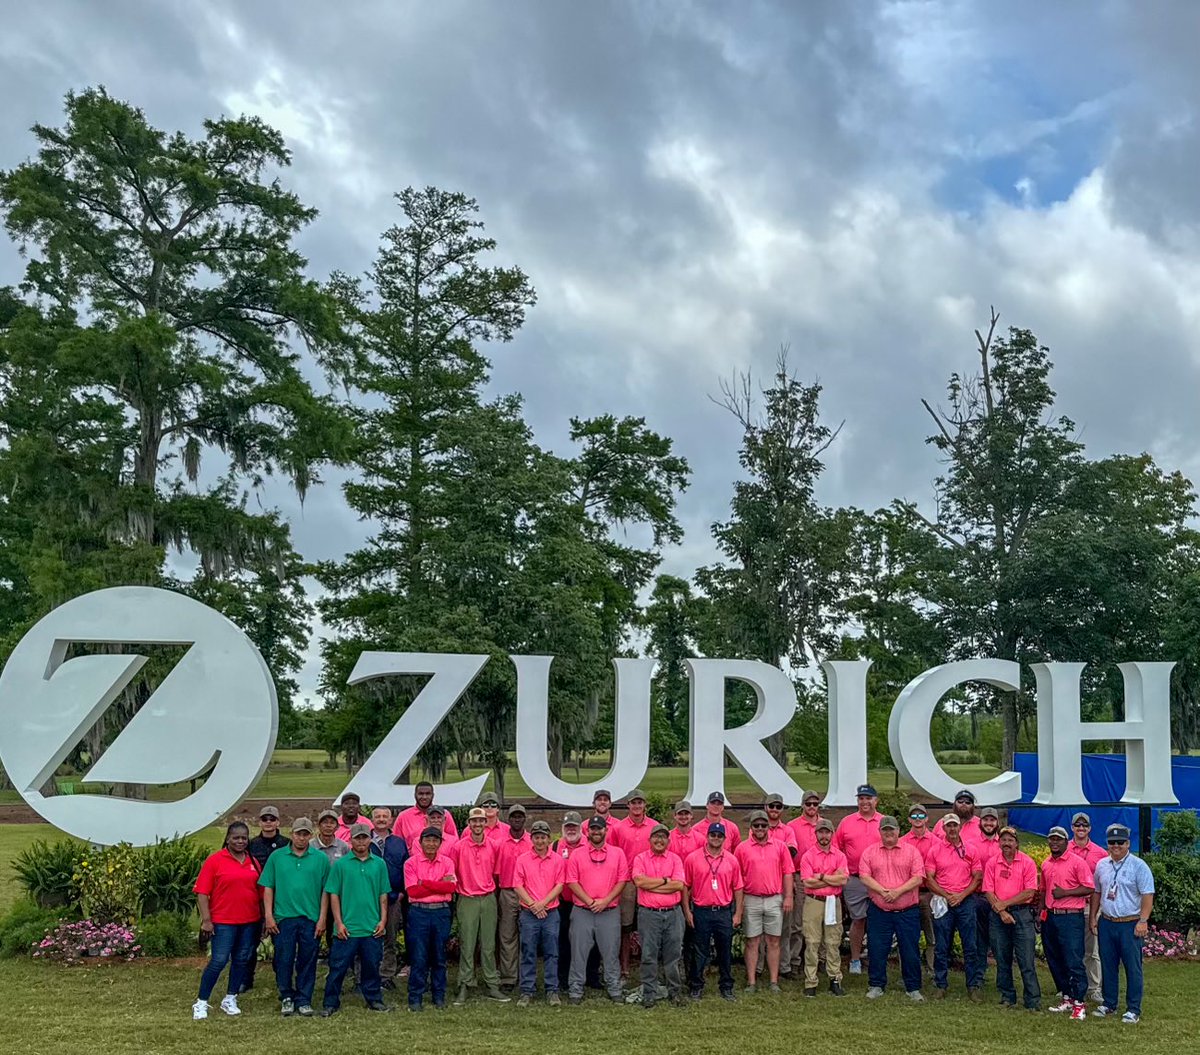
pixel 692 185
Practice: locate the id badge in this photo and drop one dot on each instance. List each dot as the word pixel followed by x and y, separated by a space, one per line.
pixel 1112 893
pixel 714 884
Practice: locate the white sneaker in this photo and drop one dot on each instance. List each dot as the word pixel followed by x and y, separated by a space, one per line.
pixel 229 1005
pixel 199 1010
pixel 874 993
pixel 916 996
pixel 1130 1019
pixel 1066 1005
pixel 856 966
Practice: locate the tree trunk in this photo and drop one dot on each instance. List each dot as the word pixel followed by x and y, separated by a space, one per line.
pixel 1008 715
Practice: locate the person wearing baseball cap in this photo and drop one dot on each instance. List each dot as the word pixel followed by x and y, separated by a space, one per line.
pixel 1010 884
pixel 781 832
pixel 596 876
pixel 1122 900
pixel 657 876
pixel 953 873
pixel 964 808
pixel 1066 894
pixel 683 839
pixel 509 846
pixel 804 831
pixel 823 874
pixel 295 907
pixel 855 832
pixel 986 847
pixel 351 807
pixel 430 882
pixel 713 907
pixel 1082 845
pixel 569 841
pixel 920 836
pixel 539 879
pixel 474 857
pixel 892 872
pixel 266 842
pixel 767 871
pixel 632 835
pixel 493 826
pixel 715 812
pixel 326 839
pixel 358 889
pixel 602 805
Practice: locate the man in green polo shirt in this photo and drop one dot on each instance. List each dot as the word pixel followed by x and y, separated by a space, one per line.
pixel 358 888
pixel 295 907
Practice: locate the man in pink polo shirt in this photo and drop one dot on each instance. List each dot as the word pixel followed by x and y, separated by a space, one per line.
pixel 1082 846
pixel 509 847
pixel 596 876
pixel 953 873
pixel 892 872
pixel 539 882
pixel 1067 884
pixel 713 906
pixel 474 858
pixel 684 839
pixel 714 813
pixel 964 809
pixel 783 833
pixel 804 831
pixel 632 835
pixel 986 846
pixel 823 874
pixel 441 820
pixel 920 837
pixel 568 843
pixel 1010 883
pixel 493 827
pixel 412 821
pixel 767 871
pixel 854 834
pixel 602 807
pixel 658 879
pixel 350 806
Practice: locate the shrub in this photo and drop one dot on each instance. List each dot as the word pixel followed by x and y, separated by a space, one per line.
pixel 896 804
pixel 25 924
pixel 660 808
pixel 86 939
pixel 166 934
pixel 46 871
pixel 460 814
pixel 1039 851
pixel 1177 889
pixel 165 875
pixel 106 883
pixel 1178 833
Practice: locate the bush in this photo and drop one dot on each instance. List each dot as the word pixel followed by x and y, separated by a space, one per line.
pixel 72 943
pixel 1178 833
pixel 896 804
pixel 166 934
pixel 165 875
pixel 106 883
pixel 660 808
pixel 46 871
pixel 460 815
pixel 25 924
pixel 1177 889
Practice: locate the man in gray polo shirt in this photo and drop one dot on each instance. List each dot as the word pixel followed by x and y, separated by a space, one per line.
pixel 1120 917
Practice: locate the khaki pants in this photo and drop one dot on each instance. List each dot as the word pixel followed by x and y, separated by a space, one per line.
pixel 817 938
pixel 508 937
pixel 924 897
pixel 1091 960
pixel 477 928
pixel 794 934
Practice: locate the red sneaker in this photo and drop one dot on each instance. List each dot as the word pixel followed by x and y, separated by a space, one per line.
pixel 1079 1011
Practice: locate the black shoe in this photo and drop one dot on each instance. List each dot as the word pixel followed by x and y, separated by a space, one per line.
pixel 387 983
pixel 728 996
pixel 835 988
pixel 378 1005
pixel 328 1012
pixel 811 991
pixel 438 1005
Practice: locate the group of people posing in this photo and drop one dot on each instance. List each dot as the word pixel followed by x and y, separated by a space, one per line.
pixel 575 903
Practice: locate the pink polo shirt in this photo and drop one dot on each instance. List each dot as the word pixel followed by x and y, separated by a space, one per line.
pixel 475 866
pixel 343 829
pixel 985 849
pixel 564 850
pixel 783 834
pixel 540 875
pixel 508 850
pixel 968 830
pixel 1091 853
pixel 632 838
pixel 598 871
pixel 805 833
pixel 854 834
pixel 412 821
pixel 892 868
pixel 817 862
pixel 1070 870
pixel 712 880
pixel 419 869
pixel 1007 880
pixel 924 846
pixel 732 835
pixel 499 831
pixel 952 866
pixel 764 865
pixel 659 866
pixel 683 843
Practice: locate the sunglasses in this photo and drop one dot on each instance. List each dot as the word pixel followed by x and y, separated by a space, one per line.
pixel 774 805
pixel 1117 842
pixel 268 817
pixel 917 816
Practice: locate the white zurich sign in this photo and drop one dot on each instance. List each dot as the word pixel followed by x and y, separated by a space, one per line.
pixel 215 713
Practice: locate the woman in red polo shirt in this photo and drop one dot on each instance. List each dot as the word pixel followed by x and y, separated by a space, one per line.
pixel 230 907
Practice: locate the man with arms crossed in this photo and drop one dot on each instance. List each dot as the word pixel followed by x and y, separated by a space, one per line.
pixel 892 873
pixel 823 874
pixel 658 879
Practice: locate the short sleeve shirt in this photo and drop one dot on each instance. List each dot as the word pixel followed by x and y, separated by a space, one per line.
pixel 1069 871
pixel 359 885
pixel 508 850
pixel 539 875
pixel 474 866
pixel 298 881
pixel 817 862
pixel 598 871
pixel 952 866
pixel 1006 880
pixel 854 834
pixel 659 866
pixel 764 865
pixel 891 868
pixel 712 880
pixel 1121 886
pixel 231 887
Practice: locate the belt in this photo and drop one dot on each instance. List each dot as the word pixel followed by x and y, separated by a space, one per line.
pixel 651 908
pixel 1122 919
pixel 712 908
pixel 431 906
pixel 1066 911
pixel 818 897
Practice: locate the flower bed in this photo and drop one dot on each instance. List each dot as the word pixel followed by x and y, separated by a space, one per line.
pixel 1163 944
pixel 73 943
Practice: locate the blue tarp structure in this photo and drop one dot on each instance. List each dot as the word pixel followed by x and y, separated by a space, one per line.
pixel 1103 781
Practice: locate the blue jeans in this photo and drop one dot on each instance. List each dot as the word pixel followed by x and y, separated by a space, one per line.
pixel 369 951
pixel 903 924
pixel 1119 946
pixel 538 935
pixel 296 959
pixel 714 926
pixel 1062 941
pixel 428 931
pixel 961 918
pixel 1020 940
pixel 230 941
